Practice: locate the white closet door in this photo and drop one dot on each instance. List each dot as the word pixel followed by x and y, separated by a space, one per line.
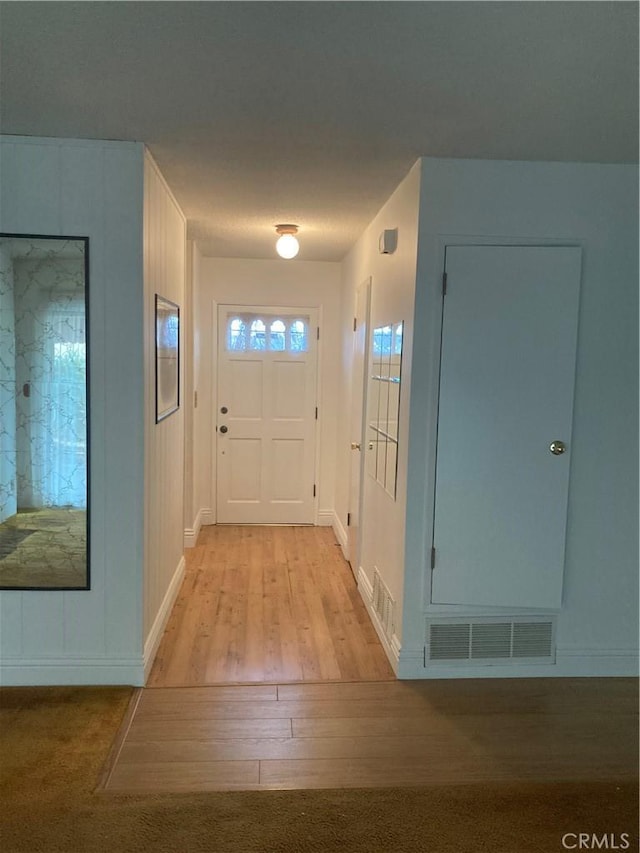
pixel 506 394
pixel 266 415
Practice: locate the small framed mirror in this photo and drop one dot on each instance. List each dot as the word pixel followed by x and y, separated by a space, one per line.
pixel 44 412
pixel 383 405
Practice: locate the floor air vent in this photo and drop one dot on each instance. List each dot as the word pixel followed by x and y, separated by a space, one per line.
pixel 491 641
pixel 383 604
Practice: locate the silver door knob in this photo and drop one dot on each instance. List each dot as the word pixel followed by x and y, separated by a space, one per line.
pixel 557 447
pixel 355 445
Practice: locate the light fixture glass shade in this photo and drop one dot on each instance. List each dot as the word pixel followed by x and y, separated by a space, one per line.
pixel 287 246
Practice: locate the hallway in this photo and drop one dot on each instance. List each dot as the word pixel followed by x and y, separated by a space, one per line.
pixel 267 604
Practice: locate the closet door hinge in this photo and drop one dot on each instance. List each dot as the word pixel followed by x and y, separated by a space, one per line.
pixel 433 557
pixel 348 519
pixel 355 324
pixel 444 284
pixel 316 413
pixel 317 333
pixel 314 490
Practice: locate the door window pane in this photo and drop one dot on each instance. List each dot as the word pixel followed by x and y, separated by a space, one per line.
pixel 299 341
pixel 277 332
pixel 258 337
pixel 237 335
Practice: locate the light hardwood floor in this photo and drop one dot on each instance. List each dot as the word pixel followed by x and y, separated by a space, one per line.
pixel 268 604
pixel 371 734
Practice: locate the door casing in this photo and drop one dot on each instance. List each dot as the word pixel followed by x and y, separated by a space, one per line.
pixel 358 422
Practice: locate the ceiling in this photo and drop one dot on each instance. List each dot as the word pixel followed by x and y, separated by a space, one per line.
pixel 312 112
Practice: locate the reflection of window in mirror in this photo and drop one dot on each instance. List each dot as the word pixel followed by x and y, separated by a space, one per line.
pixel 43 402
pixel 383 404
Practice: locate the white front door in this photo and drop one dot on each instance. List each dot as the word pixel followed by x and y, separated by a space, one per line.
pixel 266 418
pixel 506 400
pixel 360 345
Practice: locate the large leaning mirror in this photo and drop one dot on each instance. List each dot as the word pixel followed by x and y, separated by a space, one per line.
pixel 43 412
pixel 383 405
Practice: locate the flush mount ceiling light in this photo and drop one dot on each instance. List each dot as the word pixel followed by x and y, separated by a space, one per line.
pixel 287 246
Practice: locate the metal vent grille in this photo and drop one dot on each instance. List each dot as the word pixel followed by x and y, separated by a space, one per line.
pixel 383 604
pixel 532 639
pixel 450 642
pixel 491 641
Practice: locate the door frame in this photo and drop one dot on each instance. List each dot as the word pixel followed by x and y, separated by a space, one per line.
pixel 433 334
pixel 212 430
pixel 366 287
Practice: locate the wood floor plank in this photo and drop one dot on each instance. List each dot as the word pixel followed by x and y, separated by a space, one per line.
pixel 145 752
pixel 473 725
pixel 368 773
pixel 342 691
pixel 478 696
pixel 219 693
pixel 369 726
pixel 173 709
pixel 147 730
pixel 178 776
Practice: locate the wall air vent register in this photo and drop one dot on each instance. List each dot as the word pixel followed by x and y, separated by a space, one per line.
pixel 490 641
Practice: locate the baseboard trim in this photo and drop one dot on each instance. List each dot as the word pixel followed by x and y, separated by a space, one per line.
pixel 204 517
pixel 598 662
pixel 191 533
pixel 569 663
pixel 392 647
pixel 155 634
pixel 365 586
pixel 324 518
pixel 341 534
pixel 49 672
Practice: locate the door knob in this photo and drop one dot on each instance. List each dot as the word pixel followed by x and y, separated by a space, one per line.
pixel 355 445
pixel 224 410
pixel 557 447
pixel 224 429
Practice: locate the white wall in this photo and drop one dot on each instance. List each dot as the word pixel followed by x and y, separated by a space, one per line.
pixel 164 274
pixel 258 282
pixel 95 189
pixel 393 280
pixel 595 207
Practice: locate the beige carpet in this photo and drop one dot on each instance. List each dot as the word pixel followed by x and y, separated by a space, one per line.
pixel 54 742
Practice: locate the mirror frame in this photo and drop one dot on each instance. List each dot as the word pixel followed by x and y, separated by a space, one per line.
pixel 85 241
